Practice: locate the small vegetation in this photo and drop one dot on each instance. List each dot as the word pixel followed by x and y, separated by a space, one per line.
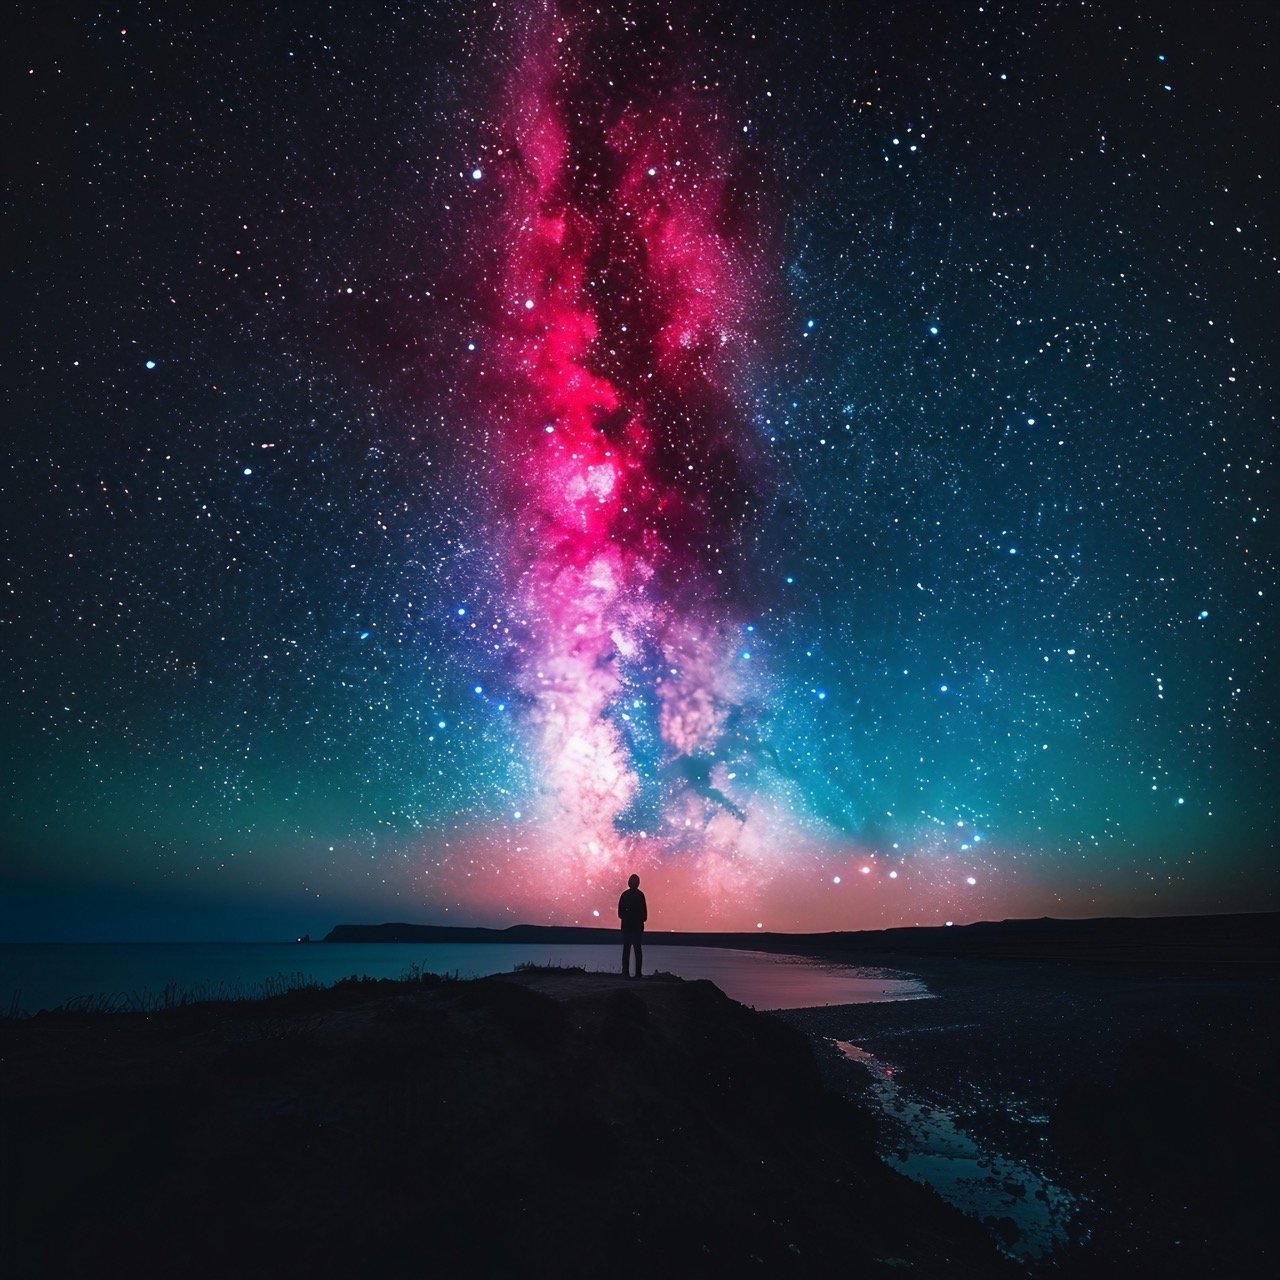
pixel 171 996
pixel 417 972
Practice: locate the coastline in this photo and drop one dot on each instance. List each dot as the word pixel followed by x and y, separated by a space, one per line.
pixel 123 977
pixel 370 1126
pixel 1143 1089
pixel 1249 940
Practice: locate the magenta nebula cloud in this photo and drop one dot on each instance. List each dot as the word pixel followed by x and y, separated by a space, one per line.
pixel 632 263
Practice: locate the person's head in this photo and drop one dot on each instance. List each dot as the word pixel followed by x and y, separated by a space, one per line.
pixel 634 882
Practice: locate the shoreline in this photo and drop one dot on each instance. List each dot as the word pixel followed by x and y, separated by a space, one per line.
pixel 150 978
pixel 1144 1092
pixel 993 1062
pixel 364 1127
pixel 1250 939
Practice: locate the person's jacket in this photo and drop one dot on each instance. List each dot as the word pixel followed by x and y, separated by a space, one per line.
pixel 632 911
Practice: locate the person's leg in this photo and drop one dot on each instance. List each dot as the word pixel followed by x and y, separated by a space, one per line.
pixel 626 956
pixel 639 957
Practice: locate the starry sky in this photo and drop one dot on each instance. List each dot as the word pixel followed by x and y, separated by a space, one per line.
pixel 817 456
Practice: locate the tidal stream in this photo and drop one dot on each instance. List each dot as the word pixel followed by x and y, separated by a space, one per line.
pixel 1029 1215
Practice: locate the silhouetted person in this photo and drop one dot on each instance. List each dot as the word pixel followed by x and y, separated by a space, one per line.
pixel 633 912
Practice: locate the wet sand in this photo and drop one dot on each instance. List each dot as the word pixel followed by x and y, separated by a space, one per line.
pixel 1020 1030
pixel 1006 1041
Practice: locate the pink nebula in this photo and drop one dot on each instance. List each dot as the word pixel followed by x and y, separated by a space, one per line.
pixel 630 269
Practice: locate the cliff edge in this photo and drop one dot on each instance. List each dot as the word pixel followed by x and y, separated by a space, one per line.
pixel 552 1122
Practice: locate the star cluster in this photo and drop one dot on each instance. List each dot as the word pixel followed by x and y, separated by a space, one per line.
pixel 818 457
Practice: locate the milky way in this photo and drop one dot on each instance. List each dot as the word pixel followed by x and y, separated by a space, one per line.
pixel 816 456
pixel 628 466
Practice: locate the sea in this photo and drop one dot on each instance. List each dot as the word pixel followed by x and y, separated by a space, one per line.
pixel 141 976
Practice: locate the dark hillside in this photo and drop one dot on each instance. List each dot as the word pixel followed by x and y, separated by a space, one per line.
pixel 546 1123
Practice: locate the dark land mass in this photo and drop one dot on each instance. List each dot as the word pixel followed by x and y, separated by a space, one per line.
pixel 1147 1090
pixel 1251 939
pixel 1133 1062
pixel 541 1123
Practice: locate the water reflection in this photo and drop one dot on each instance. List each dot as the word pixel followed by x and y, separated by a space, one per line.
pixel 767 981
pixel 141 975
pixel 1029 1215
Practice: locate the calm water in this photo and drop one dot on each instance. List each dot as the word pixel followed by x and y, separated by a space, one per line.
pixel 927 1144
pixel 136 975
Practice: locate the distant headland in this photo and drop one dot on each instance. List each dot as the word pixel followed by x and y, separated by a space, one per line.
pixel 1243 939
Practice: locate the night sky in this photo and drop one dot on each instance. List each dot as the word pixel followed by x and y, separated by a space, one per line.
pixel 817 456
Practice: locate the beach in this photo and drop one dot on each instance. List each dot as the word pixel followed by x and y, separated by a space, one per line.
pixel 1143 1093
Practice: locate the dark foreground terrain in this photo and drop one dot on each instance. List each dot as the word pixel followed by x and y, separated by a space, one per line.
pixel 552 1123
pixel 1148 1089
